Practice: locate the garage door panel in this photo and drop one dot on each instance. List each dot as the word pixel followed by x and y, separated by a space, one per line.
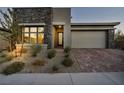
pixel 88 39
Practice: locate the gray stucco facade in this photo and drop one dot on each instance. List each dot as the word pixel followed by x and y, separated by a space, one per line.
pixel 61 16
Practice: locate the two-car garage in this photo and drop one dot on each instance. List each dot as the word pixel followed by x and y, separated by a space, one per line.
pixel 92 35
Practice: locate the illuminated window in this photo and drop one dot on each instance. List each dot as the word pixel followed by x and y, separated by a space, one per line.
pixel 33 35
pixel 40 35
pixel 26 37
pixel 33 38
pixel 26 29
pixel 40 29
pixel 33 29
pixel 40 38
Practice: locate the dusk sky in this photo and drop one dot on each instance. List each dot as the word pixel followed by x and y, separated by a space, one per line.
pixel 92 14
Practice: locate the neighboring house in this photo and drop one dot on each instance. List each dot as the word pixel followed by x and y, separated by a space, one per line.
pixel 52 26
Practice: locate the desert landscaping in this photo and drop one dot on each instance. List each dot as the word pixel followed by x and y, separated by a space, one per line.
pixel 38 60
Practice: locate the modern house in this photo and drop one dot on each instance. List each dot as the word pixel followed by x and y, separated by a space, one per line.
pixel 53 27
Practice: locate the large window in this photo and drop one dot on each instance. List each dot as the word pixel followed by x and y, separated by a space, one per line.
pixel 33 35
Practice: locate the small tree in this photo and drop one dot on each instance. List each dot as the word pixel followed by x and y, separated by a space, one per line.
pixel 119 40
pixel 10 23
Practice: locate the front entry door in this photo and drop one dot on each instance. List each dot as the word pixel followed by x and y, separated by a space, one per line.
pixel 60 39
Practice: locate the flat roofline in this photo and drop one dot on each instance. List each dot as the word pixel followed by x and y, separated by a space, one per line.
pixel 92 29
pixel 96 24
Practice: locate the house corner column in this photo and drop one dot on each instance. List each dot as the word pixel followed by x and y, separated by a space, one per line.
pixel 48 28
pixel 48 36
pixel 111 38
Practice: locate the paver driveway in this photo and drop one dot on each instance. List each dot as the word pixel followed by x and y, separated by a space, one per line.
pixel 99 60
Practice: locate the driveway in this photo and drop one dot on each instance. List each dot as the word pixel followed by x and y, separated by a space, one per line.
pixel 99 60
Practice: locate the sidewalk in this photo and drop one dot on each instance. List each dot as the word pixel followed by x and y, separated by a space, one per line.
pixel 64 79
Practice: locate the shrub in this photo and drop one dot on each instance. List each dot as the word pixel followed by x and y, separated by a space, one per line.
pixel 51 53
pixel 2 55
pixel 67 62
pixel 38 62
pixel 67 49
pixel 2 60
pixel 67 55
pixel 9 58
pixel 5 58
pixel 55 68
pixel 123 48
pixel 13 68
pixel 35 50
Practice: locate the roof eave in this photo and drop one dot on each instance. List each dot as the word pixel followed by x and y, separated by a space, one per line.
pixel 96 24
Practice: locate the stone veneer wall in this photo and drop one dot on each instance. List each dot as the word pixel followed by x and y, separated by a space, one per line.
pixel 37 15
pixel 111 39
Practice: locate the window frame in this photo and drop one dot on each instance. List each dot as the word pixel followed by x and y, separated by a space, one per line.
pixel 29 27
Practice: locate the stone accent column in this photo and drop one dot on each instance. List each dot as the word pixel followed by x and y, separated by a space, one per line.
pixel 48 29
pixel 48 36
pixel 111 38
pixel 37 15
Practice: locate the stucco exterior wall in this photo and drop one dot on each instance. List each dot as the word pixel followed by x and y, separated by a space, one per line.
pixel 62 16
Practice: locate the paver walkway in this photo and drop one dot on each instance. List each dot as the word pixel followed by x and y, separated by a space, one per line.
pixel 111 78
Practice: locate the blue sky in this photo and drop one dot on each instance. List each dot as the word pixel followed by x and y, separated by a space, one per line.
pixel 97 14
